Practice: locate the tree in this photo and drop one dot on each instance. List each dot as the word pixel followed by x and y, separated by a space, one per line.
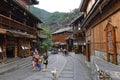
pixel 47 43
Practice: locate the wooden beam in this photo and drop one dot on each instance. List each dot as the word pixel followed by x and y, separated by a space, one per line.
pixel 105 14
pixel 2 31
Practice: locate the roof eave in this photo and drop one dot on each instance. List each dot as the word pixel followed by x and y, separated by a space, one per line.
pixel 83 5
pixel 91 13
pixel 76 19
pixel 28 11
pixel 33 2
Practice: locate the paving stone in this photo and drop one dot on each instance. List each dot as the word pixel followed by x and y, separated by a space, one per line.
pixel 65 79
pixel 67 75
pixel 67 72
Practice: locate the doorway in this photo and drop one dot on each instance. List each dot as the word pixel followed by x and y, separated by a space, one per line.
pixel 88 53
pixel 10 49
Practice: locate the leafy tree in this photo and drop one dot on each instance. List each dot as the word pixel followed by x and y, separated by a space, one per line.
pixel 47 43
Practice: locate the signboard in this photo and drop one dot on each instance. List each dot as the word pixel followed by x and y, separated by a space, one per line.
pixel 110 45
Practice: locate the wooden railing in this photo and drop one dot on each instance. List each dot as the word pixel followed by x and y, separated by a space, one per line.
pixel 81 38
pixel 11 24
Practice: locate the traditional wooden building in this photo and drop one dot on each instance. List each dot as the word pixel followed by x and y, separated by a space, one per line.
pixel 78 34
pixel 18 27
pixel 102 28
pixel 59 37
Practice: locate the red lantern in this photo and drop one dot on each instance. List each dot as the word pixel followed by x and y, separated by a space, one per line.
pixel 19 41
pixel 5 41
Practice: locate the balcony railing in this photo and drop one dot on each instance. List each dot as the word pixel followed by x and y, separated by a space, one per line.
pixel 11 24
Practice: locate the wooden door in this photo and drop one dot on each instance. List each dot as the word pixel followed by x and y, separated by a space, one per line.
pixel 111 43
pixel 88 54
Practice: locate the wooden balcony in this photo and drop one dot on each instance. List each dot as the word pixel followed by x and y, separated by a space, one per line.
pixel 11 24
pixel 81 39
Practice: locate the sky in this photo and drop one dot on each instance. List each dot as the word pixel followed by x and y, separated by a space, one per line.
pixel 58 5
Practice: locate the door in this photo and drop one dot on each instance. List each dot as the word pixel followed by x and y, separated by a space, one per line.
pixel 10 49
pixel 88 54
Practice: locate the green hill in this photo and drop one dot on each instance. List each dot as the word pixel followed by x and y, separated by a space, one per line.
pixel 40 13
pixel 56 19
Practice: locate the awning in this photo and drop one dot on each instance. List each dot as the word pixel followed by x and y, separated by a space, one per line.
pixel 42 36
pixel 20 34
pixel 56 43
pixel 59 43
pixel 62 43
pixel 76 20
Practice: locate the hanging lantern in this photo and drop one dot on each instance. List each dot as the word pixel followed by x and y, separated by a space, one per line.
pixel 5 41
pixel 19 41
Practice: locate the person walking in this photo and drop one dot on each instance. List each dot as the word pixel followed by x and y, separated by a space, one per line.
pixel 65 52
pixel 45 61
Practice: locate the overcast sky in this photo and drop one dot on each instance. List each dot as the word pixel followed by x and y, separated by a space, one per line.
pixel 58 5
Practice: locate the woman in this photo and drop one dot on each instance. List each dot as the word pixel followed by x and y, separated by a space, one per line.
pixel 45 61
pixel 35 60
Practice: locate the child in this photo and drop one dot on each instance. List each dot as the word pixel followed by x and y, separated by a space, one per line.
pixel 45 61
pixel 39 63
pixel 35 64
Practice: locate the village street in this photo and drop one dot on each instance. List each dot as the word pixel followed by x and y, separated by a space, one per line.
pixel 68 68
pixel 82 37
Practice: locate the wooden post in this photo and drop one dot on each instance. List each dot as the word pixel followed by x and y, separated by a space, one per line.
pixel 15 50
pixel 88 51
pixel 114 47
pixel 4 52
pixel 29 48
pixel 107 54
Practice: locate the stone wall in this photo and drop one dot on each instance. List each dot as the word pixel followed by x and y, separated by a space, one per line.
pixel 102 55
pixel 103 70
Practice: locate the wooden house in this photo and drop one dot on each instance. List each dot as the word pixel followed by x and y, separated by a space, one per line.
pixel 59 37
pixel 18 27
pixel 102 28
pixel 78 34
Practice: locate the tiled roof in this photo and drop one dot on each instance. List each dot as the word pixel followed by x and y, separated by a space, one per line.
pixel 68 29
pixel 42 36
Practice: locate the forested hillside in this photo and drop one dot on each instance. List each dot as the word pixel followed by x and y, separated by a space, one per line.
pixel 40 13
pixel 55 20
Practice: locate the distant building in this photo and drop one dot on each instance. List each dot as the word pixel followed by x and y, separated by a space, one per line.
pixel 78 34
pixel 18 27
pixel 59 37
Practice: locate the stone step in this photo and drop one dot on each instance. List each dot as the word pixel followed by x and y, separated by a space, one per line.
pixel 20 63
